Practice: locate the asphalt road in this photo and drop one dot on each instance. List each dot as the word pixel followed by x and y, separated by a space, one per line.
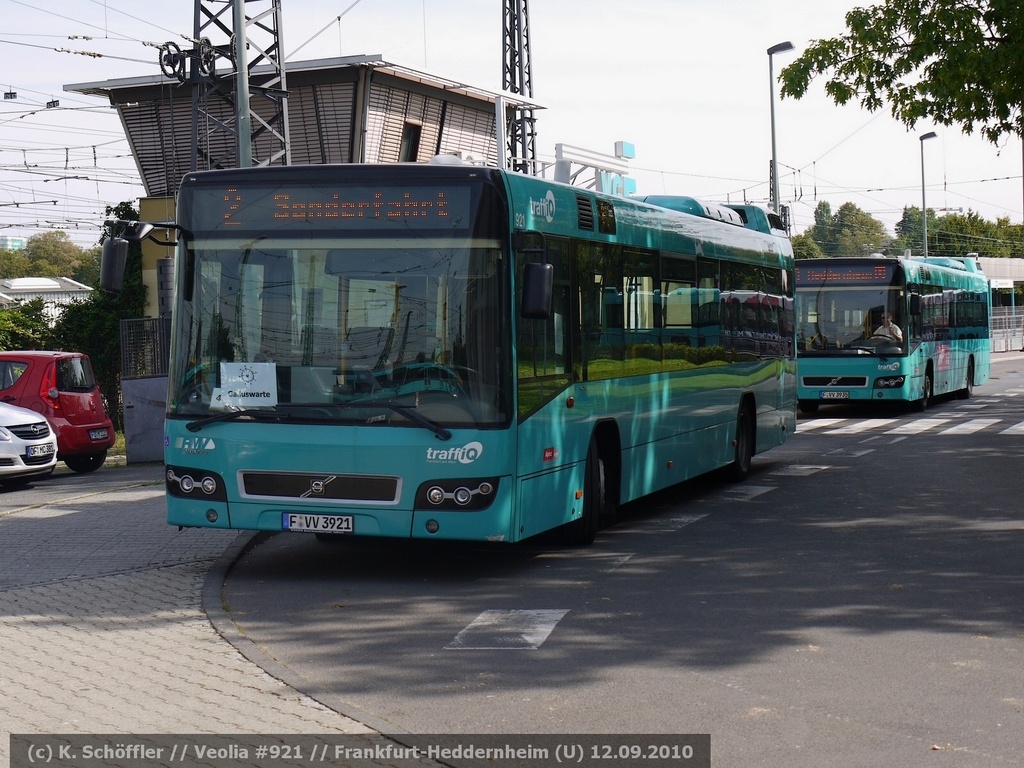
pixel 858 601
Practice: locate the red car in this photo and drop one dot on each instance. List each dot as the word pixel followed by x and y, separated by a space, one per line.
pixel 62 387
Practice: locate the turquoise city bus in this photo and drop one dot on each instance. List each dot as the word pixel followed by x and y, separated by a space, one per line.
pixel 456 352
pixel 941 308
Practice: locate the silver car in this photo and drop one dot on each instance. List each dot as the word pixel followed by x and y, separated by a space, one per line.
pixel 28 447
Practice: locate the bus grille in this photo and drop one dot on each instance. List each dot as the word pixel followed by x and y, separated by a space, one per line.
pixel 322 486
pixel 835 381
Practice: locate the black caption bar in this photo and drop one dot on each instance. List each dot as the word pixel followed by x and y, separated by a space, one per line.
pixel 359 750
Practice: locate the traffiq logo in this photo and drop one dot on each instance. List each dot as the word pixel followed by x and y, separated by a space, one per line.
pixel 467 454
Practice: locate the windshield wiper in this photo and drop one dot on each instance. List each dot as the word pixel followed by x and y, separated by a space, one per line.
pixel 409 411
pixel 258 414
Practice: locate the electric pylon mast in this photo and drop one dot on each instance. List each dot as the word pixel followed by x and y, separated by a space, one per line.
pixel 239 91
pixel 517 78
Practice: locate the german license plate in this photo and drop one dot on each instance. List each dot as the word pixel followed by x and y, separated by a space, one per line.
pixel 833 394
pixel 35 451
pixel 98 434
pixel 291 521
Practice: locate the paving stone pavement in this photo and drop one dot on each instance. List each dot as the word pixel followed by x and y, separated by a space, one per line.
pixel 102 627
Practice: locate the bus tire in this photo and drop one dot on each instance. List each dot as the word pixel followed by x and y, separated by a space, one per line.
pixel 926 392
pixel 968 390
pixel 738 470
pixel 808 406
pixel 582 531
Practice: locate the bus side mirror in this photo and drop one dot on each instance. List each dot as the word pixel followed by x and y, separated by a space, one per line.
pixel 915 304
pixel 538 282
pixel 112 261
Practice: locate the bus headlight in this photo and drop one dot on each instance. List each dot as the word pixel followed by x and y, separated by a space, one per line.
pixel 191 483
pixel 460 494
pixel 890 382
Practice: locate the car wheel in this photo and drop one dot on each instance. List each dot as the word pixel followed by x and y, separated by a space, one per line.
pixel 86 463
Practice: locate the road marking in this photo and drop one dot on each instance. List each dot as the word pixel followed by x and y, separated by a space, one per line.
pixel 970 427
pixel 961 423
pixel 621 560
pixel 917 426
pixel 801 470
pixel 671 524
pixel 861 426
pixel 507 630
pixel 747 492
pixel 806 426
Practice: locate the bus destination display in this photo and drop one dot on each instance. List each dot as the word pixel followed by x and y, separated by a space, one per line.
pixel 845 273
pixel 346 207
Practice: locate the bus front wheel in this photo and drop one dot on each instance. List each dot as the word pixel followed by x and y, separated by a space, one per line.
pixel 582 531
pixel 926 392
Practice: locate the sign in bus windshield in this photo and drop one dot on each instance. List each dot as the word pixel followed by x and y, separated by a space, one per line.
pixel 844 273
pixel 263 207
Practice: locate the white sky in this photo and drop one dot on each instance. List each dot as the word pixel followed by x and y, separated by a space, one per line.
pixel 685 81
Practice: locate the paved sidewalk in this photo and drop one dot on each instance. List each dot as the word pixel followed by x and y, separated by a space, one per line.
pixel 103 630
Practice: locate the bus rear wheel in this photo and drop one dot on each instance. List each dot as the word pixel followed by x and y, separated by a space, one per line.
pixel 744 443
pixel 968 390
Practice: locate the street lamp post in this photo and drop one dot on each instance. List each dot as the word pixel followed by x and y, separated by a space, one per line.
pixel 924 206
pixel 777 48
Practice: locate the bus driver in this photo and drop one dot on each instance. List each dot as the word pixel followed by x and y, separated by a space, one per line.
pixel 889 328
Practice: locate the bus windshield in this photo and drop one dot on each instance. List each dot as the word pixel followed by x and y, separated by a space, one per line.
pixel 370 329
pixel 851 320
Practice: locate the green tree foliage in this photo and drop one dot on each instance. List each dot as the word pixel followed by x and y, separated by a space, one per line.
pixel 848 232
pixel 88 272
pixel 960 234
pixel 909 236
pixel 804 247
pixel 25 326
pixel 852 232
pixel 951 61
pixel 858 233
pixel 52 254
pixel 14 264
